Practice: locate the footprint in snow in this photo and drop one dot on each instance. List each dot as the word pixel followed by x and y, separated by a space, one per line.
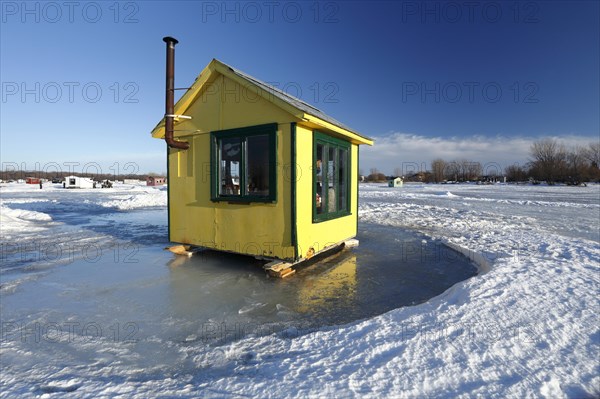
pixel 60 386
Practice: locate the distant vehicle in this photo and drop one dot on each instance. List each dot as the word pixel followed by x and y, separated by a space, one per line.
pixel 57 180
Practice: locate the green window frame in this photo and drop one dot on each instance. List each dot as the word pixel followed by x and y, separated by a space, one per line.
pixel 331 177
pixel 243 164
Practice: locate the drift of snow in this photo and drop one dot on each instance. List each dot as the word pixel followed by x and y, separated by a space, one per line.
pixel 16 219
pixel 135 201
pixel 527 326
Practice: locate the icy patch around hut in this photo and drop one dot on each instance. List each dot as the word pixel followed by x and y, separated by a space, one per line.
pixel 138 324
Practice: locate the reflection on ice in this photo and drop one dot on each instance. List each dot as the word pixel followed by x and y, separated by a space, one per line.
pixel 139 306
pixel 223 296
pixel 337 283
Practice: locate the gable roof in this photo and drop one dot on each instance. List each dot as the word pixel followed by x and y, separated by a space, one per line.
pixel 291 104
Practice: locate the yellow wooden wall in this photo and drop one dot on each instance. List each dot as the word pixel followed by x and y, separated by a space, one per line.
pixel 323 234
pixel 256 228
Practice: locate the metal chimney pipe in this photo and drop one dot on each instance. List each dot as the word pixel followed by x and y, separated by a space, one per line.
pixel 170 96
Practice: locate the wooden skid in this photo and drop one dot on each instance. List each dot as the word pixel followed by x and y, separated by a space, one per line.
pixel 351 243
pixel 186 250
pixel 281 269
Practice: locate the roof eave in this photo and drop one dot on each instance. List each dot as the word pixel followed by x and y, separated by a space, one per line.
pixel 354 137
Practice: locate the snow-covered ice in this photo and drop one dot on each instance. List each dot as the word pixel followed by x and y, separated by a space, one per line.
pixel 526 326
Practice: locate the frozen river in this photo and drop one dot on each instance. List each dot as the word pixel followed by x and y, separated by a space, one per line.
pixel 91 299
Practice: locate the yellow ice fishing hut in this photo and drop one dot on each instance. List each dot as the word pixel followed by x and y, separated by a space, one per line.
pixel 253 170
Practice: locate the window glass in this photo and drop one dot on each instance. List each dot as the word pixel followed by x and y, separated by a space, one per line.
pixel 331 177
pixel 243 164
pixel 342 176
pixel 230 158
pixel 257 168
pixel 332 194
pixel 319 179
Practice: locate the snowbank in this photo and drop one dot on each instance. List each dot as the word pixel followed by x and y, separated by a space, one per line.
pixel 14 220
pixel 146 199
pixel 529 327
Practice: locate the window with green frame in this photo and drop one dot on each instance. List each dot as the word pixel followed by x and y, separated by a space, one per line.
pixel 243 164
pixel 331 177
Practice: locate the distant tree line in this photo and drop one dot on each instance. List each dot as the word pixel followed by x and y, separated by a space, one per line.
pixel 554 163
pixel 375 176
pixel 550 161
pixel 459 170
pixel 8 175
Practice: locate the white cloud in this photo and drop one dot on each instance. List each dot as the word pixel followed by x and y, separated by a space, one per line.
pixel 413 152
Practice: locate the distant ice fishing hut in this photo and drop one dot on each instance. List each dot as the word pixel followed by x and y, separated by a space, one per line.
pixel 78 182
pixel 255 171
pixel 396 182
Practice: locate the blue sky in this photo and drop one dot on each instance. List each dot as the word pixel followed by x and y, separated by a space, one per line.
pixel 83 82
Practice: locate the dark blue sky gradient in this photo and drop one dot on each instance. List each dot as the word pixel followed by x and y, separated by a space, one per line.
pixel 379 67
